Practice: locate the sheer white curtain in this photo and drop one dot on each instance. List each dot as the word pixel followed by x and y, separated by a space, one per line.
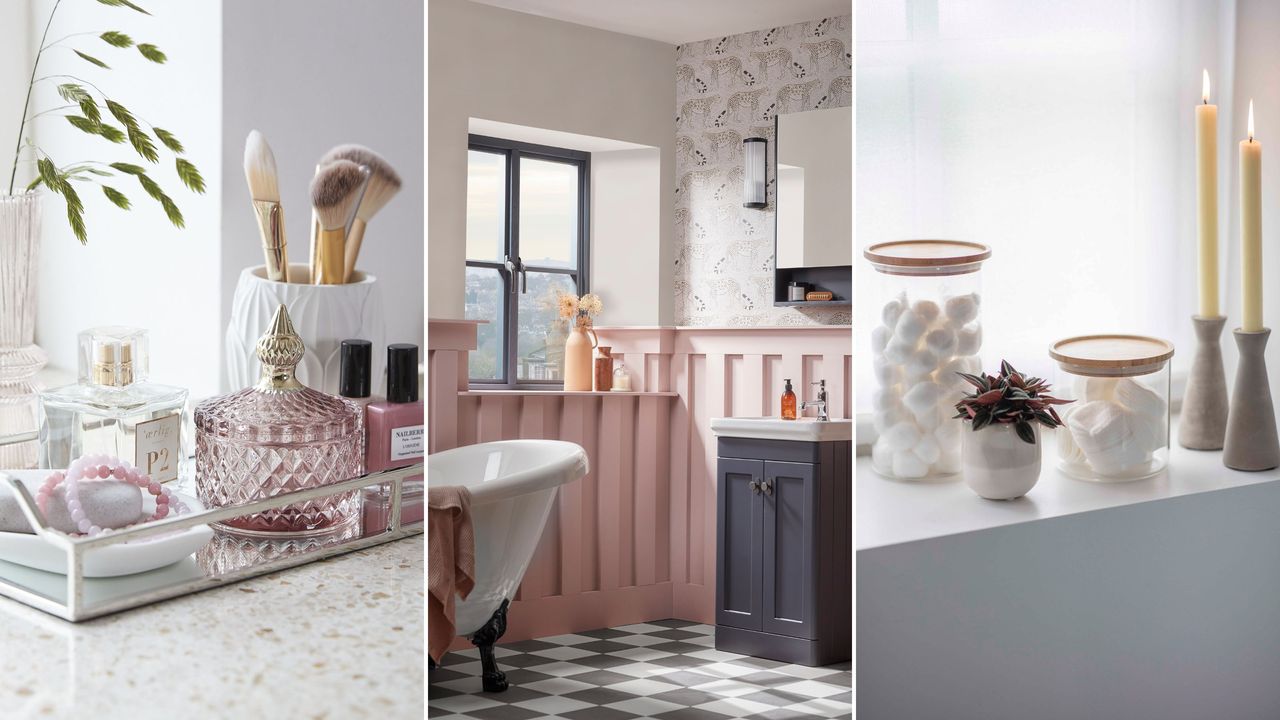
pixel 1061 135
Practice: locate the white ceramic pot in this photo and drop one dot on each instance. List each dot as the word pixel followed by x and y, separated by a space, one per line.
pixel 999 465
pixel 324 316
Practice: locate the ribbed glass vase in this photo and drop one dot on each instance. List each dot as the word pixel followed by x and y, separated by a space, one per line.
pixel 20 357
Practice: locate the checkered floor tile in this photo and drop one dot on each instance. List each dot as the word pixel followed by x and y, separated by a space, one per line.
pixel 667 669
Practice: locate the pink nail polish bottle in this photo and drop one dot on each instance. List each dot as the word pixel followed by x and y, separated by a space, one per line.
pixel 396 438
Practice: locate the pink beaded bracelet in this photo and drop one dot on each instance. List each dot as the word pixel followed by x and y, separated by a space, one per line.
pixel 103 467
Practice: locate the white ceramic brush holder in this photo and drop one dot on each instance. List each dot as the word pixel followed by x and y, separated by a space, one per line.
pixel 324 316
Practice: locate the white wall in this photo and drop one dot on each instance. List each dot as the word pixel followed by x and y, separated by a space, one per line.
pixel 15 71
pixel 511 67
pixel 625 230
pixel 311 74
pixel 137 269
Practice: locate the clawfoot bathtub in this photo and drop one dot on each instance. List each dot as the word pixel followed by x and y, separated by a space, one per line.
pixel 513 484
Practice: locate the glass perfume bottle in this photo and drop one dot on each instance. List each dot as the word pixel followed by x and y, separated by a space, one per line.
pixel 396 439
pixel 114 410
pixel 277 437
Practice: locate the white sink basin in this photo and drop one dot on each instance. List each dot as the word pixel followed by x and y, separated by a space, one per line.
pixel 771 428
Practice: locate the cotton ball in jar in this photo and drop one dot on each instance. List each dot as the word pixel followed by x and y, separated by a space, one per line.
pixel 926 310
pixel 942 341
pixel 922 398
pixel 882 420
pixel 969 340
pixel 963 309
pixel 928 450
pixel 899 351
pixel 929 420
pixel 887 398
pixel 892 309
pixel 882 457
pixel 949 374
pixel 948 433
pixel 880 338
pixel 921 364
pixel 887 373
pixel 910 327
pixel 902 436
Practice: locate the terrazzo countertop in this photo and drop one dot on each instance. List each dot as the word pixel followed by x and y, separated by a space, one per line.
pixel 339 638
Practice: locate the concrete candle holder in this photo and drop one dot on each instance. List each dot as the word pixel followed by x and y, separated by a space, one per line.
pixel 1251 441
pixel 1204 407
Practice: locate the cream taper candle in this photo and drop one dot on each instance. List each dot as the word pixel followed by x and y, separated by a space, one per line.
pixel 1251 229
pixel 1207 201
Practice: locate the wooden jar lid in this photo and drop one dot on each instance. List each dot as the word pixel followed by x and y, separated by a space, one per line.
pixel 1111 355
pixel 927 257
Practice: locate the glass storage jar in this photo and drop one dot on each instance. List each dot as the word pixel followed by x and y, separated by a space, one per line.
pixel 929 298
pixel 1117 429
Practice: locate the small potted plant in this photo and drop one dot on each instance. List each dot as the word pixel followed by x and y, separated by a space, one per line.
pixel 1001 457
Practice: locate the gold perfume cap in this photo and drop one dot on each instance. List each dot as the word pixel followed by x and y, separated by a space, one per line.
pixel 113 356
pixel 280 350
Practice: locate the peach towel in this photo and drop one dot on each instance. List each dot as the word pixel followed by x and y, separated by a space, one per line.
pixel 451 563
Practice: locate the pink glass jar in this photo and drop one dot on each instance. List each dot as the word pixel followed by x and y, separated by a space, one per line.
pixel 277 437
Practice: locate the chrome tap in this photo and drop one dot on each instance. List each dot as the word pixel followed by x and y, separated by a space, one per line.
pixel 820 403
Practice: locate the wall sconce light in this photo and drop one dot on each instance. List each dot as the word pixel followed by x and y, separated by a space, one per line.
pixel 754 171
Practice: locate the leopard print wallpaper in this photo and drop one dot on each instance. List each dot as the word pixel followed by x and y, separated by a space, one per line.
pixel 727 89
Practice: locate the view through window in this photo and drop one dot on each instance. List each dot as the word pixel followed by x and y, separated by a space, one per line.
pixel 526 243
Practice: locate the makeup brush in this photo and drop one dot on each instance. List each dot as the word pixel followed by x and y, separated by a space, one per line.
pixel 315 238
pixel 384 183
pixel 260 173
pixel 335 195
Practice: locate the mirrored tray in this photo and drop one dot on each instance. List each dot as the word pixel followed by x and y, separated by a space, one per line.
pixel 224 559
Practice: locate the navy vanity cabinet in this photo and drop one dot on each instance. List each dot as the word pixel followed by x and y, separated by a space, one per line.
pixel 783 577
pixel 740 546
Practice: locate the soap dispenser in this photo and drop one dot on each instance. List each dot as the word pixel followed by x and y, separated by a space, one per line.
pixel 788 401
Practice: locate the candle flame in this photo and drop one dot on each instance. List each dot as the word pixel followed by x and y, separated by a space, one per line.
pixel 1204 92
pixel 1251 120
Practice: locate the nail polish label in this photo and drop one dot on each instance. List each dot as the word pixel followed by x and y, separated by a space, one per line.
pixel 156 445
pixel 408 442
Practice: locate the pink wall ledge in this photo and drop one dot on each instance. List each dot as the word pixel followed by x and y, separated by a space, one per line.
pixel 635 539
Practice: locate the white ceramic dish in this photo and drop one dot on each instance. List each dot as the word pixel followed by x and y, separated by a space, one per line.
pixel 111 561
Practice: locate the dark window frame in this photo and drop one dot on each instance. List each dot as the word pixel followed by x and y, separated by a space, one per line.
pixel 513 151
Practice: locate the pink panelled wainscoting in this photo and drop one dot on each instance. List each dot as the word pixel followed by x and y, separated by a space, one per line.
pixel 635 539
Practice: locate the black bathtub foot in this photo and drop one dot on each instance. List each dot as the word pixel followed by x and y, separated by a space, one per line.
pixel 493 679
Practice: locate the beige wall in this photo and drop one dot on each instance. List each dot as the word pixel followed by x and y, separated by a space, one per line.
pixel 499 65
pixel 626 214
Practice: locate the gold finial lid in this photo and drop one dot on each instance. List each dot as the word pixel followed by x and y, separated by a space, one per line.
pixel 280 350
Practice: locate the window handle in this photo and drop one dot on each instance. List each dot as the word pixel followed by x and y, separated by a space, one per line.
pixel 516 265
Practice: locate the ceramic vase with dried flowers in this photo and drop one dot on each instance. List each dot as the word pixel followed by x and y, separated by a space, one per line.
pixel 86 107
pixel 579 313
pixel 1001 456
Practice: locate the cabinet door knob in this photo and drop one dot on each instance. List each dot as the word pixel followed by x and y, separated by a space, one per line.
pixel 755 486
pixel 768 488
